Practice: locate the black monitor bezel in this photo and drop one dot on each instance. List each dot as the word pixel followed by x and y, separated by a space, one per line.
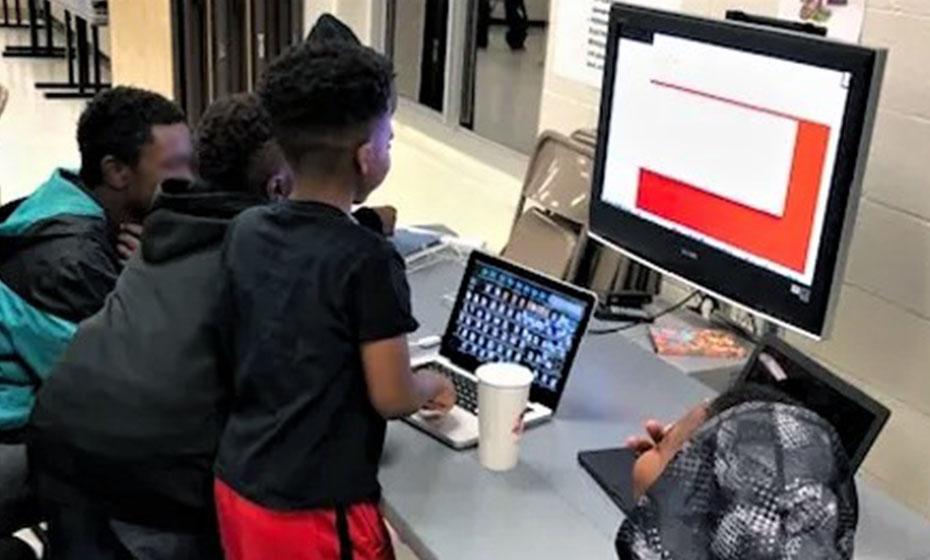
pixel 539 395
pixel 880 413
pixel 712 269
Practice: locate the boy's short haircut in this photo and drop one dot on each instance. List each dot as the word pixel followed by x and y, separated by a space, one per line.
pixel 231 138
pixel 323 100
pixel 118 122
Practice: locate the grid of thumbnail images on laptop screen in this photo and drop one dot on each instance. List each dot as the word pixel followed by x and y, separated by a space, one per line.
pixel 507 318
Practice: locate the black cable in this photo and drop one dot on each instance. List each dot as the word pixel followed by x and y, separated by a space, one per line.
pixel 628 326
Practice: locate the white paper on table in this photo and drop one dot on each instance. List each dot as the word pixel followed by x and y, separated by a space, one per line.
pixel 581 36
pixel 842 18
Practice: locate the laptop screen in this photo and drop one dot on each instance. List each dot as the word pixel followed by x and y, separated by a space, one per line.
pixel 855 416
pixel 508 314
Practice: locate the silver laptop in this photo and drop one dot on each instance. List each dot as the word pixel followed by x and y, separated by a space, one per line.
pixel 506 313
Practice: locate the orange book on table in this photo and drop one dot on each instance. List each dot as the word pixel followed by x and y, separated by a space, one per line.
pixel 711 343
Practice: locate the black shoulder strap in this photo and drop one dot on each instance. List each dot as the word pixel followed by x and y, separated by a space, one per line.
pixel 34 378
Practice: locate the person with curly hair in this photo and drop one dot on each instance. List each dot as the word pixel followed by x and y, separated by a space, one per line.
pixel 60 255
pixel 124 433
pixel 320 312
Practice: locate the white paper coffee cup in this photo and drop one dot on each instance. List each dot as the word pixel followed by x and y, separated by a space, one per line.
pixel 503 392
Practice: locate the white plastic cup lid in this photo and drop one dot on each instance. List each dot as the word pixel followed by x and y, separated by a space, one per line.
pixel 505 375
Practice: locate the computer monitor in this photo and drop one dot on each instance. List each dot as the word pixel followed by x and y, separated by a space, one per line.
pixel 730 156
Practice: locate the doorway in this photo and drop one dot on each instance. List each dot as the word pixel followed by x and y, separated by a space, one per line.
pixel 221 47
pixel 418 43
pixel 478 64
pixel 509 63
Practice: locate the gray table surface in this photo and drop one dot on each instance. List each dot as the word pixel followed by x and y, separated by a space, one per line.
pixel 444 505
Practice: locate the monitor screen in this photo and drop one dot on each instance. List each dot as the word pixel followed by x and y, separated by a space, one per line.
pixel 504 316
pixel 731 148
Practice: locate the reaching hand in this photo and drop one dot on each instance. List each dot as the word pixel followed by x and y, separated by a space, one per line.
pixel 444 399
pixel 660 445
pixel 128 241
pixel 655 433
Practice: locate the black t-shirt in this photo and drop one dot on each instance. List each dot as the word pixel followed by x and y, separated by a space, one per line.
pixel 305 286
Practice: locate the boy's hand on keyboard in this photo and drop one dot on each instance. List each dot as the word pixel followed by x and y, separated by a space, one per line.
pixel 444 399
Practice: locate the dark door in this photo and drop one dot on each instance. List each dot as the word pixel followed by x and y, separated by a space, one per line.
pixel 221 47
pixel 276 25
pixel 190 68
pixel 433 61
pixel 228 50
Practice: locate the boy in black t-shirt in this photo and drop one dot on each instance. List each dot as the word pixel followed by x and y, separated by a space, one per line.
pixel 320 312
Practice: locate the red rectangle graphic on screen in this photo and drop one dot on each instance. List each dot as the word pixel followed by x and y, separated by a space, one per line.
pixel 784 240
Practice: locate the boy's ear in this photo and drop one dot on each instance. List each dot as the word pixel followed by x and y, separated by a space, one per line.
pixel 116 174
pixel 364 159
pixel 279 186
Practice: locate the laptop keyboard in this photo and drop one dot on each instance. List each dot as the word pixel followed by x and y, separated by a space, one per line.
pixel 466 388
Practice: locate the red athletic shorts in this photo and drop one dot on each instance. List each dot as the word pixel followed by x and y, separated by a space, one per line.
pixel 252 532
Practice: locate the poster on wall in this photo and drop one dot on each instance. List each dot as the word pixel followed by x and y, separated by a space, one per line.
pixel 842 18
pixel 581 36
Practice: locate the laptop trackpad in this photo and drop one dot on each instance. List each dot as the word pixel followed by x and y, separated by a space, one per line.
pixel 458 424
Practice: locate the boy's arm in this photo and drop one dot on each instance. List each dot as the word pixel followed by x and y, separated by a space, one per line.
pixel 383 317
pixel 393 388
pixel 380 219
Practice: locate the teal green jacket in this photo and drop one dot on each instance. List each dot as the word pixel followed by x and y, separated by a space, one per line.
pixel 57 264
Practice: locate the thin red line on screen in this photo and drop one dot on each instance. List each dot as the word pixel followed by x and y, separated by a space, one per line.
pixel 730 101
